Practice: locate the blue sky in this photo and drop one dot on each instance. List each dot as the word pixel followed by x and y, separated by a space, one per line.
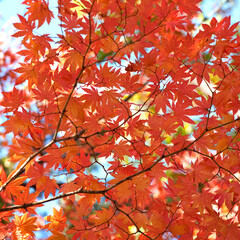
pixel 9 10
pixel 209 7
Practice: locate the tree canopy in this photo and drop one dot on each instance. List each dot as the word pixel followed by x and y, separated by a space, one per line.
pixel 127 113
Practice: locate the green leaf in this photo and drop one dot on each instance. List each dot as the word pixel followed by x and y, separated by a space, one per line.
pixel 102 55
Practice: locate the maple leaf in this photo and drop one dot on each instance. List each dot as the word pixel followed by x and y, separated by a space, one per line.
pixel 43 183
pixel 21 122
pixel 28 72
pixel 121 149
pixel 83 160
pixel 58 221
pixel 69 187
pixel 38 10
pixel 50 187
pixel 73 59
pixel 133 67
pixel 180 228
pixel 44 92
pixel 13 100
pixel 37 49
pixel 15 187
pixel 205 201
pixel 25 198
pixel 25 29
pixel 57 236
pixel 102 216
pixel 25 225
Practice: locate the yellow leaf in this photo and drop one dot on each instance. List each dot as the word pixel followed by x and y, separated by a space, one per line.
pixel 214 78
pixel 79 9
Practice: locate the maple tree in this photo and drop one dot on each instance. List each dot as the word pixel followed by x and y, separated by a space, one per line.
pixel 129 117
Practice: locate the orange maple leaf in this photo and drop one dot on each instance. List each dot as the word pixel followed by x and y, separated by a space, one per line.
pixel 57 220
pixel 25 226
pixel 38 11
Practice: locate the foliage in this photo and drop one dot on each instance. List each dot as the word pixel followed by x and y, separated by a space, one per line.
pixel 130 116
